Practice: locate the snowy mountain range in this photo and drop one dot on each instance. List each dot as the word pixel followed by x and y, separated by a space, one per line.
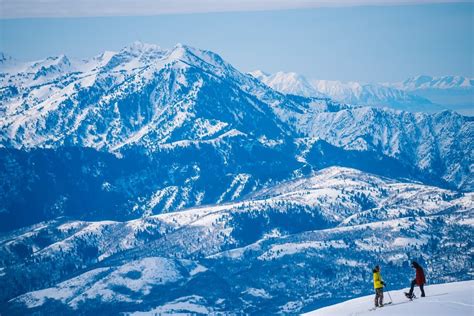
pixel 428 82
pixel 368 94
pixel 416 94
pixel 209 190
pixel 142 94
pixel 454 92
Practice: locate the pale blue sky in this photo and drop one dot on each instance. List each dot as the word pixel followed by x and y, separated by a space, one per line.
pixel 366 43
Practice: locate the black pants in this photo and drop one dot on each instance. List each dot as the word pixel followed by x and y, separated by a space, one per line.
pixel 379 297
pixel 413 283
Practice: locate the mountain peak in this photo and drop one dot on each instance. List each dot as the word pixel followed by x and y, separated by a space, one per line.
pixel 179 51
pixel 62 60
pixel 258 74
pixel 204 59
pixel 288 83
pixel 181 46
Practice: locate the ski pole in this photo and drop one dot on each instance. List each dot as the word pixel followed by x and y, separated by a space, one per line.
pixel 390 297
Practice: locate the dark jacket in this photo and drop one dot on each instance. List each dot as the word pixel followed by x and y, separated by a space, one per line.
pixel 420 274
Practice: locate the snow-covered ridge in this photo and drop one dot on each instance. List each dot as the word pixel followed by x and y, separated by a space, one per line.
pixel 153 98
pixel 347 92
pixel 442 299
pixel 401 134
pixel 423 82
pixel 141 94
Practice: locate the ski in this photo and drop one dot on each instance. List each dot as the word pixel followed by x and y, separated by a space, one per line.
pixel 374 308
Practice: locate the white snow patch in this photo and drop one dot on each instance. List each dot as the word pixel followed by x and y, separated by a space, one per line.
pixel 277 251
pixel 63 292
pixel 138 276
pixel 185 305
pixel 258 293
pixel 198 269
pixel 401 241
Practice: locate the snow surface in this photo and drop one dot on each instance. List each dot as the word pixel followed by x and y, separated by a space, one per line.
pixel 182 306
pixel 442 300
pixel 208 236
pixel 137 276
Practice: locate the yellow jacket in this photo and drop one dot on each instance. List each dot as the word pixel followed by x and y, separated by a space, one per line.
pixel 378 283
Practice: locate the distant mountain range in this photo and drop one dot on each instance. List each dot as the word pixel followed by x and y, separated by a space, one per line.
pixel 429 82
pixel 421 93
pixel 166 179
pixel 453 92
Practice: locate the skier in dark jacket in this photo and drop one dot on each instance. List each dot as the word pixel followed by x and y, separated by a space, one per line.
pixel 418 280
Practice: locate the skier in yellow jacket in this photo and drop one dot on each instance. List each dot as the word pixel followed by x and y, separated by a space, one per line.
pixel 378 286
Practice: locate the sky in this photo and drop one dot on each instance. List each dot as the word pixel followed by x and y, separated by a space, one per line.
pixel 345 41
pixel 70 8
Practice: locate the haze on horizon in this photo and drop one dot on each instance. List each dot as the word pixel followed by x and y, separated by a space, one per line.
pixel 348 41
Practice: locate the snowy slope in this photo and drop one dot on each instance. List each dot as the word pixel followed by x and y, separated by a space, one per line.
pixel 442 299
pixel 135 276
pixel 422 140
pixel 435 149
pixel 339 219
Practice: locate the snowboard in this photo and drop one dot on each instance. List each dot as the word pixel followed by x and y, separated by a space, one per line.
pixel 412 297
